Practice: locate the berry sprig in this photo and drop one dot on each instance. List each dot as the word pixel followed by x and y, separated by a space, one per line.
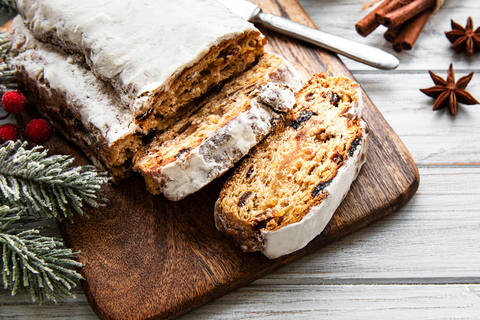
pixel 37 130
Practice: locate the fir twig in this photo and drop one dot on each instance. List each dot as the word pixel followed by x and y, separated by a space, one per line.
pixel 47 185
pixel 8 6
pixel 32 182
pixel 33 264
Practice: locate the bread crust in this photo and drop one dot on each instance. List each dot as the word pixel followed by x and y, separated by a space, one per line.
pixel 200 156
pixel 87 111
pixel 256 229
pixel 157 60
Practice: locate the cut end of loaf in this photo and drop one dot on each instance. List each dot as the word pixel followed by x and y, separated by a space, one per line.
pixel 290 172
pixel 204 145
pixel 223 61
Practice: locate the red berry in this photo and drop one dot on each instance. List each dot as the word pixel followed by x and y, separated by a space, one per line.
pixel 13 101
pixel 9 131
pixel 38 131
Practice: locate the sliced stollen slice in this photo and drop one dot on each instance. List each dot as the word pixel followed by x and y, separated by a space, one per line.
pixel 158 55
pixel 83 108
pixel 201 147
pixel 286 191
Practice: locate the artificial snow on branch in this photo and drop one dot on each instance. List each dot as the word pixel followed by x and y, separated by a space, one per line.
pixel 7 6
pixel 33 264
pixel 47 185
pixel 34 185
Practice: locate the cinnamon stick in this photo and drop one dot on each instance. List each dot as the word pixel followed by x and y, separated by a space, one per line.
pixel 408 11
pixel 392 6
pixel 366 26
pixel 397 46
pixel 410 31
pixel 391 34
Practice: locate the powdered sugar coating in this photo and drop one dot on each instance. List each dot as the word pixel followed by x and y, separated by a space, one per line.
pixel 221 148
pixel 95 102
pixel 138 45
pixel 216 154
pixel 287 75
pixel 276 93
pixel 276 97
pixel 297 235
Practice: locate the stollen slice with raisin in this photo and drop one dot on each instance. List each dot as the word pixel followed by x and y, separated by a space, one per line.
pixel 288 188
pixel 159 56
pixel 204 145
pixel 83 108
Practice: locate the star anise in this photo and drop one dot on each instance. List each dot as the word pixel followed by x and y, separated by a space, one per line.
pixel 448 92
pixel 464 38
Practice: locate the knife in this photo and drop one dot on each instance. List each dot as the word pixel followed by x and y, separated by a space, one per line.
pixel 357 51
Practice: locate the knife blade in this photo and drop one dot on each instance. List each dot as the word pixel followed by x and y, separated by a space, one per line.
pixel 357 51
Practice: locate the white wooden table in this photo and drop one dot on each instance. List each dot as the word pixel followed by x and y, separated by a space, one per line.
pixel 423 262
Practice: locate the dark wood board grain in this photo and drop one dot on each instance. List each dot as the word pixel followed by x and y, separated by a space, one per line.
pixel 149 258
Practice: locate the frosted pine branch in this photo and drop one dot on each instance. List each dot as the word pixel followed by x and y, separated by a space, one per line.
pixel 47 185
pixel 33 184
pixel 7 6
pixel 32 264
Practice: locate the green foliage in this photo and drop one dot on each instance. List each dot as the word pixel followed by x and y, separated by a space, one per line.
pixel 47 185
pixel 33 184
pixel 8 6
pixel 32 264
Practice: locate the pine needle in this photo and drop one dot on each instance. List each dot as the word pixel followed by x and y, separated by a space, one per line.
pixel 34 185
pixel 33 264
pixel 47 185
pixel 8 6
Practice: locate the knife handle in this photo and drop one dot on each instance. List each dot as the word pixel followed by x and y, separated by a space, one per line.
pixel 357 51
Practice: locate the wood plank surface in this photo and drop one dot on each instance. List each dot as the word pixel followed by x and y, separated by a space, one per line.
pixel 367 275
pixel 146 257
pixel 409 265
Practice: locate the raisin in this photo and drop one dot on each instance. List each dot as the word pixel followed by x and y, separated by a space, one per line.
pixel 249 172
pixel 334 99
pixel 354 145
pixel 144 115
pixel 243 198
pixel 304 116
pixel 337 157
pixel 275 121
pixel 309 97
pixel 322 185
pixel 261 220
pixel 182 152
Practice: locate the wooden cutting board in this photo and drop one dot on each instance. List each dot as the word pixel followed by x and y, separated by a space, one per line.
pixel 148 258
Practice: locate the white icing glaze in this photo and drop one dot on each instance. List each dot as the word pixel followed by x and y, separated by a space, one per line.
pixel 216 154
pixel 277 92
pixel 226 145
pixel 357 106
pixel 94 101
pixel 295 236
pixel 138 45
pixel 278 97
pixel 287 75
pixel 360 106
